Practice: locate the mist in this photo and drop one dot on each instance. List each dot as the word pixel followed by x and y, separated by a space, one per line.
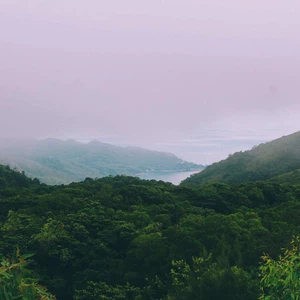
pixel 201 79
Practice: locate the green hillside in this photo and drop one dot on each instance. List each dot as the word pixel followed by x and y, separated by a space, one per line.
pixel 290 178
pixel 126 238
pixel 263 162
pixel 14 179
pixel 54 161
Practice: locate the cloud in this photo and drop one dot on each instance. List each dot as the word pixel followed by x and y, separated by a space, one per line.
pixel 150 73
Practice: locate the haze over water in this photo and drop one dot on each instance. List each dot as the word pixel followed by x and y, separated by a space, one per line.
pixel 173 177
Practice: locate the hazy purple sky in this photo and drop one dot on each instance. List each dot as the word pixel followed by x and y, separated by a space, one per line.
pixel 198 78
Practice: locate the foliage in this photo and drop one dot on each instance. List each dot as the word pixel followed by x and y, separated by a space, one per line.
pixel 95 291
pixel 281 278
pixel 126 238
pixel 16 281
pixel 204 279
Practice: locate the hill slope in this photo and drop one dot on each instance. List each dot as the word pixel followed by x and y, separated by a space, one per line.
pixel 290 178
pixel 54 161
pixel 12 179
pixel 263 162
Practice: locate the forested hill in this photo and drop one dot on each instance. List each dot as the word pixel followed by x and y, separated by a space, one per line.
pixel 263 162
pixel 126 238
pixel 290 178
pixel 55 162
pixel 16 180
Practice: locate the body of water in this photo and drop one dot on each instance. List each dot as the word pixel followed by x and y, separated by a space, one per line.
pixel 174 177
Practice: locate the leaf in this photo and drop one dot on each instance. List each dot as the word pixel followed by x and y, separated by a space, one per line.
pixel 26 256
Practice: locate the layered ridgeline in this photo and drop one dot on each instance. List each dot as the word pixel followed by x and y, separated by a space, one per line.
pixel 54 161
pixel 127 238
pixel 278 160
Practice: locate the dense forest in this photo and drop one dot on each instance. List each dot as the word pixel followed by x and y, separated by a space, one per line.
pixel 126 238
pixel 280 157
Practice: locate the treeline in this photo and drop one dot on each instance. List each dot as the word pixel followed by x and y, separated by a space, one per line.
pixel 276 161
pixel 126 238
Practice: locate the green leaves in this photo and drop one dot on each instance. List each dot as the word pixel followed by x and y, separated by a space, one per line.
pixel 205 278
pixel 280 279
pixel 123 238
pixel 16 282
pixel 101 290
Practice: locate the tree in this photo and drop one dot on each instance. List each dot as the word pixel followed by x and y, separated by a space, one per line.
pixel 281 278
pixel 101 290
pixel 16 281
pixel 205 279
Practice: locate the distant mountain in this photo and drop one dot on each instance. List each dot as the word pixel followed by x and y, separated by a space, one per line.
pixel 274 160
pixel 55 161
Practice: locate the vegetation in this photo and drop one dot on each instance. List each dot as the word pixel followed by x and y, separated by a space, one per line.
pixel 126 238
pixel 15 280
pixel 290 178
pixel 263 162
pixel 60 162
pixel 281 278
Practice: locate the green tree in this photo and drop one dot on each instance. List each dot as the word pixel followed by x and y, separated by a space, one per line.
pixel 205 279
pixel 281 278
pixel 101 290
pixel 16 282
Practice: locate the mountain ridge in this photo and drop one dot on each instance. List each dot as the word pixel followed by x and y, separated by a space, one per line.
pixel 55 161
pixel 262 162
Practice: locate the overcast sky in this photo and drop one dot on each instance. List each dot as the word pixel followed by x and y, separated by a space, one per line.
pixel 199 78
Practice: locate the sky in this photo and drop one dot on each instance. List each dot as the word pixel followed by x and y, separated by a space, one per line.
pixel 201 79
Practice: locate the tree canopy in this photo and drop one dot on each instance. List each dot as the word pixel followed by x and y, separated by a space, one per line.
pixel 126 238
